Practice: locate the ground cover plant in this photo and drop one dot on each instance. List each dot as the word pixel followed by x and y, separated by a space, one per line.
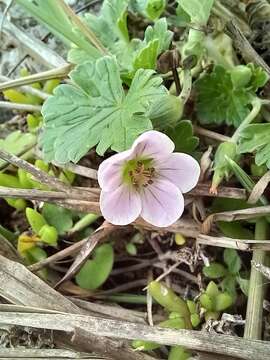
pixel 134 172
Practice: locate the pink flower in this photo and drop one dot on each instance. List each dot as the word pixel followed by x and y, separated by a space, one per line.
pixel 148 181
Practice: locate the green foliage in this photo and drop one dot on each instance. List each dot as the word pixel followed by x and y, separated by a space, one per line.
pixel 214 271
pixel 97 111
pixel 17 143
pixel 218 101
pixel 178 353
pixel 35 219
pixel 182 136
pixel 166 111
pixel 111 28
pixel 224 95
pixel 51 13
pixel 213 300
pixel 259 77
pixel 235 230
pixel 151 8
pixel 131 249
pixel 198 10
pixel 96 271
pixel 232 260
pixel 48 234
pixel 58 217
pixel 256 138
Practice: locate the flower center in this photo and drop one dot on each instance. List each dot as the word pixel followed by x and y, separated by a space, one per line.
pixel 139 173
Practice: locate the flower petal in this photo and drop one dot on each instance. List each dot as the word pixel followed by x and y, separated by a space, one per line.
pixel 121 206
pixel 153 144
pixel 180 169
pixel 110 171
pixel 162 203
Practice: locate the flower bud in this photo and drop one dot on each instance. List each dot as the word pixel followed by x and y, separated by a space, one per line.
pixel 166 111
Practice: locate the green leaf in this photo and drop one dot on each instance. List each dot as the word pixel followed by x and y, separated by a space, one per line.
pixel 212 289
pixel 244 284
pixel 48 234
pixel 259 77
pixel 51 14
pixel 58 217
pixel 198 10
pixel 256 138
pixel 131 55
pixel 232 260
pixel 147 56
pixel 35 219
pixel 97 111
pixel 218 101
pixel 235 230
pixel 182 136
pixel 95 272
pixel 223 301
pixel 17 143
pixel 228 284
pixel 110 27
pixel 155 8
pixel 159 32
pixel 214 270
pixel 206 302
pixel 131 249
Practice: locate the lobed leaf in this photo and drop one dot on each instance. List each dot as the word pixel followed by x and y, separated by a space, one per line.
pixel 97 111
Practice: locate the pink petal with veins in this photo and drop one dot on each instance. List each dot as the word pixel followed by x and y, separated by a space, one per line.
pixel 153 144
pixel 110 170
pixel 121 206
pixel 162 203
pixel 180 169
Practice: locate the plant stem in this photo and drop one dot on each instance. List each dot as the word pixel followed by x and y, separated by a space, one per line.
pixel 186 86
pixel 253 327
pixel 85 221
pixel 256 107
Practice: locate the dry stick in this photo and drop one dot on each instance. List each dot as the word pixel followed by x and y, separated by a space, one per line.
pixel 228 192
pixel 57 73
pixel 234 215
pixel 113 311
pixel 21 107
pixel 103 231
pixel 29 89
pixel 238 244
pixel 242 44
pixel 87 32
pixel 124 287
pixel 39 175
pixel 264 270
pixel 190 339
pixel 108 347
pixel 210 134
pixel 254 313
pixel 19 286
pixel 71 250
pixel 77 169
pixel 37 49
pixel 259 188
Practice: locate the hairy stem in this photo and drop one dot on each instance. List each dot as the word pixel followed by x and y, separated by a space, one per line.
pixel 256 107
